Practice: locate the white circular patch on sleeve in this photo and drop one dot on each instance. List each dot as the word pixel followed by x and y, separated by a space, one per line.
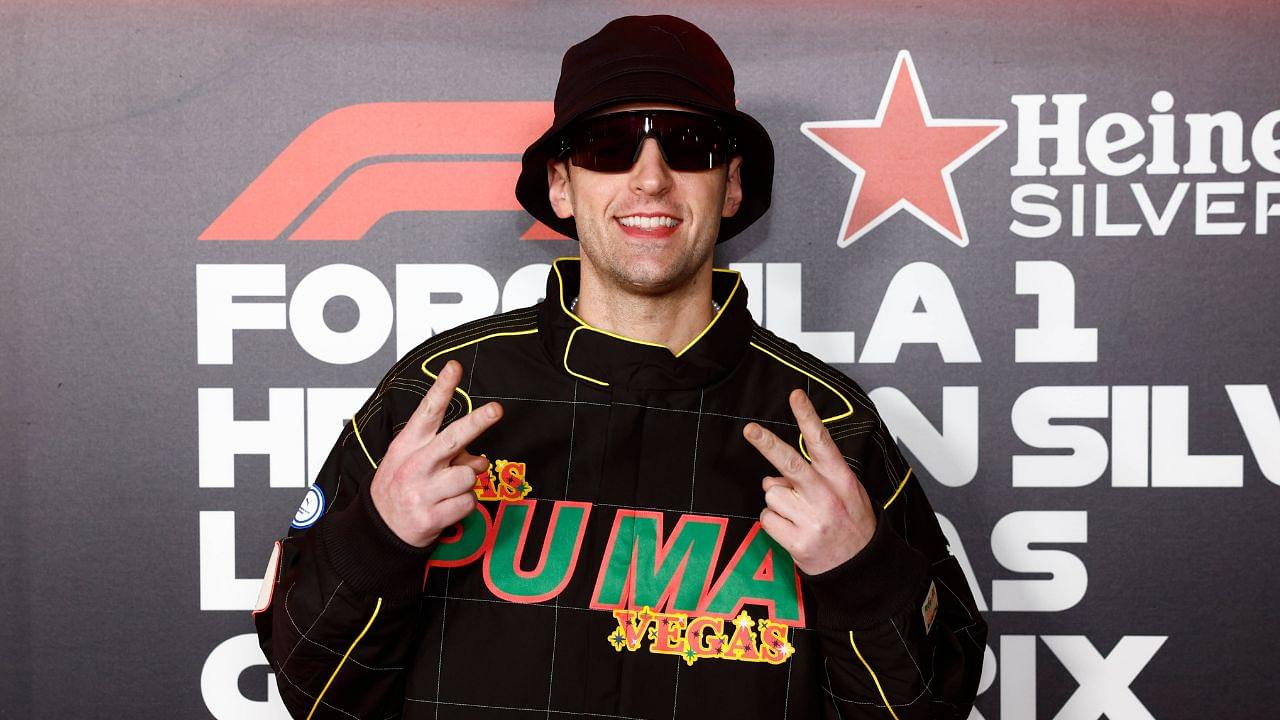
pixel 311 509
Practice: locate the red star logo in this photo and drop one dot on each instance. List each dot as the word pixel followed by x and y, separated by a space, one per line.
pixel 903 158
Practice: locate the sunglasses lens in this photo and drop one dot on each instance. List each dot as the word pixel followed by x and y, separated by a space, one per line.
pixel 611 143
pixel 606 144
pixel 698 145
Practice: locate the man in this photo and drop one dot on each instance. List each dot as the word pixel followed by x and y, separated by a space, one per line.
pixel 630 500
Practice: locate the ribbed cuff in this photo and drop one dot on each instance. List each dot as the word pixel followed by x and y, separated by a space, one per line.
pixel 368 556
pixel 869 587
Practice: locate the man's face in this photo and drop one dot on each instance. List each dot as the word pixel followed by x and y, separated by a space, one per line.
pixel 611 209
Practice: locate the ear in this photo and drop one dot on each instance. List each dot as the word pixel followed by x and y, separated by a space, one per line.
pixel 558 190
pixel 733 187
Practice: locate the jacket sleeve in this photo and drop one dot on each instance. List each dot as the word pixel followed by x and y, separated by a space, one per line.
pixel 339 614
pixel 900 632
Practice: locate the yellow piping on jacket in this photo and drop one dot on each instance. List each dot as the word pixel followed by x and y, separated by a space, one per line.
pixel 583 325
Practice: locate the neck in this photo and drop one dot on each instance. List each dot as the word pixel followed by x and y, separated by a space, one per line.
pixel 672 319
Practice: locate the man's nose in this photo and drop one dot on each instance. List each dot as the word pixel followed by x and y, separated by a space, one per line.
pixel 650 174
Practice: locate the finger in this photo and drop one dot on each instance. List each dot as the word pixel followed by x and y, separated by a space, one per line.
pixel 453 509
pixel 771 481
pixel 449 483
pixel 445 481
pixel 779 528
pixel 781 455
pixel 785 502
pixel 815 436
pixel 454 439
pixel 478 463
pixel 425 420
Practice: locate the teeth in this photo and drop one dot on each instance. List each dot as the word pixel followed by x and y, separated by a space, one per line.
pixel 648 222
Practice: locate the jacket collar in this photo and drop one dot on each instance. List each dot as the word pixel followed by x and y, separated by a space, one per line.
pixel 606 359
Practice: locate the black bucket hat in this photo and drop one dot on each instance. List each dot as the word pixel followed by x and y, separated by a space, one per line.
pixel 655 58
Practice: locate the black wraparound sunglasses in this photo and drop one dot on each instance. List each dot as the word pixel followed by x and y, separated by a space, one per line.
pixel 611 143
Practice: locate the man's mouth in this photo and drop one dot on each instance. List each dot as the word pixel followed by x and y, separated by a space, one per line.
pixel 649 225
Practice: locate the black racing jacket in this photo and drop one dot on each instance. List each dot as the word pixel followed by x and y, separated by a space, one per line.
pixel 615 566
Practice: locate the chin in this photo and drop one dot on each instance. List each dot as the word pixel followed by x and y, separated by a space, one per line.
pixel 653 276
pixel 651 267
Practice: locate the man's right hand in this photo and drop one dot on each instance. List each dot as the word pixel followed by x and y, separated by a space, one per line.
pixel 426 480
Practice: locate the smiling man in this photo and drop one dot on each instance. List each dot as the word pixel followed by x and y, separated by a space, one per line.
pixel 646 231
pixel 629 500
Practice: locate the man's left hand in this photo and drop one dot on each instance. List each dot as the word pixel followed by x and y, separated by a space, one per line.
pixel 818 512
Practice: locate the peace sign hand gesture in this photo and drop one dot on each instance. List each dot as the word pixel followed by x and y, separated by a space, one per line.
pixel 819 512
pixel 425 482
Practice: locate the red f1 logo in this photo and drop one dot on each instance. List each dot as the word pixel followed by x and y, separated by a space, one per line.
pixel 366 161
